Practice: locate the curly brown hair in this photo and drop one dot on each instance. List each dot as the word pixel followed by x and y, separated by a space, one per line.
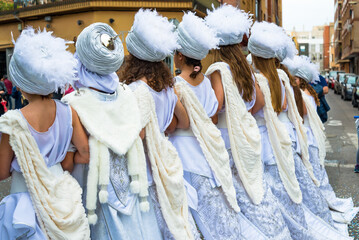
pixel 241 71
pixel 306 86
pixel 158 74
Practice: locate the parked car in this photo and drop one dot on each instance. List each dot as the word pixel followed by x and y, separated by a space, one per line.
pixel 338 83
pixel 332 78
pixel 347 86
pixel 355 94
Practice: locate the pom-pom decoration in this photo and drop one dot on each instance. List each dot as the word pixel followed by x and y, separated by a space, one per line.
pixel 152 36
pixel 230 23
pixel 41 63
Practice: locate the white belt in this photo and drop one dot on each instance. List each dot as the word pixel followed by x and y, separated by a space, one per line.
pixel 183 132
pixel 222 122
pixel 260 121
pixel 18 183
pixel 283 117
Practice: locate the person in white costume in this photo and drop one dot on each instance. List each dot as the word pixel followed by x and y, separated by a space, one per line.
pixel 234 84
pixel 44 201
pixel 147 74
pixel 109 112
pixel 305 72
pixel 294 176
pixel 207 172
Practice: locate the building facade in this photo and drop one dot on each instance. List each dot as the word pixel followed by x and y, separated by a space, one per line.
pixel 311 44
pixel 263 10
pixel 69 17
pixel 346 35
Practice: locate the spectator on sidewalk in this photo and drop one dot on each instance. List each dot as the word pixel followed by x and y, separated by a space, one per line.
pixel 321 87
pixel 8 86
pixel 17 95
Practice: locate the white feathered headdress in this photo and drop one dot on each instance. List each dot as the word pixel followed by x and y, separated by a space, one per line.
pixel 268 40
pixel 301 66
pixel 195 37
pixel 152 37
pixel 40 63
pixel 230 24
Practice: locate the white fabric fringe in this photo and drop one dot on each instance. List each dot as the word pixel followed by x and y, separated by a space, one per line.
pixel 56 200
pixel 119 131
pixel 211 141
pixel 166 168
pixel 244 135
pixel 281 144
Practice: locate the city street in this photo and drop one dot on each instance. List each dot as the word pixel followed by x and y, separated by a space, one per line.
pixel 341 152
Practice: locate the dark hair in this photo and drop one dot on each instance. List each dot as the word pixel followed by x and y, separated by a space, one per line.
pixel 158 74
pixel 192 62
pixel 242 72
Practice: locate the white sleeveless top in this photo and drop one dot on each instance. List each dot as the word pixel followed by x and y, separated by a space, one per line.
pixel 188 147
pixel 165 103
pixel 53 143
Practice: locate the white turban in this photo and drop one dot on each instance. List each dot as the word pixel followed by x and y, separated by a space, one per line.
pixel 40 63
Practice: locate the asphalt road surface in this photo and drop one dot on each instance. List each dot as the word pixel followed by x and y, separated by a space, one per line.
pixel 342 144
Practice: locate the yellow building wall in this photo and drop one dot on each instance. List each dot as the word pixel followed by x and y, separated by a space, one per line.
pixel 66 26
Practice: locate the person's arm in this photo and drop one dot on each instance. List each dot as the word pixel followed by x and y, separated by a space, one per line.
pixel 68 163
pixel 324 84
pixel 325 90
pixel 260 103
pixel 173 125
pixel 284 107
pixel 216 82
pixel 181 115
pixel 80 140
pixel 6 156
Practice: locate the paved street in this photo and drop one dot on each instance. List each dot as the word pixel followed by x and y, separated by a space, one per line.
pixel 341 151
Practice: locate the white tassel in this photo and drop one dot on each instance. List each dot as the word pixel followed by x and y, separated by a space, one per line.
pixel 103 194
pixel 145 206
pixel 92 217
pixel 135 186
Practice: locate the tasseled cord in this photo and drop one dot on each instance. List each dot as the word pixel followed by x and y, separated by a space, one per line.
pixel 138 172
pixel 98 175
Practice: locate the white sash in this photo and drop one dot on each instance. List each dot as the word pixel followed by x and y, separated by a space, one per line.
pixel 56 199
pixel 210 139
pixel 296 119
pixel 244 135
pixel 166 168
pixel 281 144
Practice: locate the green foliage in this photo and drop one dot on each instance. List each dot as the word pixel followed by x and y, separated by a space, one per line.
pixel 6 5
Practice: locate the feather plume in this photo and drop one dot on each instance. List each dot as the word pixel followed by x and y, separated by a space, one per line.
pixel 199 31
pixel 156 31
pixel 228 20
pixel 44 59
pixel 269 35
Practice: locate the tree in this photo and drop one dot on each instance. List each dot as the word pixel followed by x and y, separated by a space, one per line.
pixel 6 5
